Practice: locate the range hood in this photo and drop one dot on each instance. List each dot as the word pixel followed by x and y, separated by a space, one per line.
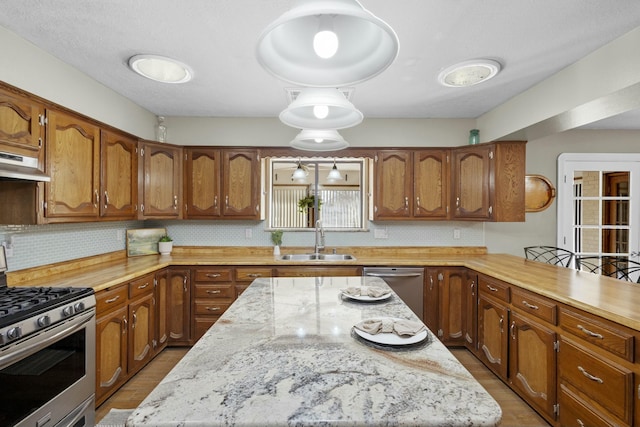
pixel 21 167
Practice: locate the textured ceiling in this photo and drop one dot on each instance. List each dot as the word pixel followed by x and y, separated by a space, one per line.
pixel 533 39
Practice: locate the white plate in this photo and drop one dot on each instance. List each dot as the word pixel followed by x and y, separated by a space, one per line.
pixel 391 338
pixel 367 297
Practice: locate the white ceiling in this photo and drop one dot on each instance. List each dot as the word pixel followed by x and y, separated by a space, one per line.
pixel 533 39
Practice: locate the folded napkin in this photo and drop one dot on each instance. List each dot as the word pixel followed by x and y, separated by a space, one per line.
pixel 370 291
pixel 401 327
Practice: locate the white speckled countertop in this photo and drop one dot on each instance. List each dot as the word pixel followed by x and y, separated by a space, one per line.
pixel 284 355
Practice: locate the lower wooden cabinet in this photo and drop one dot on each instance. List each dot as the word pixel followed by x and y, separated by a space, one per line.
pixel 178 306
pixel 162 303
pixel 470 320
pixel 316 271
pixel 213 293
pixel 493 321
pixel 141 331
pixel 111 350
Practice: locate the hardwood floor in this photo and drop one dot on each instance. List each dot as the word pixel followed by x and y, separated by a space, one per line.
pixel 515 412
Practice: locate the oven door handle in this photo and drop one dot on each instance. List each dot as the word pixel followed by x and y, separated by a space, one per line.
pixel 46 338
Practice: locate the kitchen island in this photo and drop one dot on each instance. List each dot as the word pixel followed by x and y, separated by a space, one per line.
pixel 285 354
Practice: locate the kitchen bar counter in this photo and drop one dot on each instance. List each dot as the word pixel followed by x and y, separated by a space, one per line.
pixel 284 354
pixel 612 299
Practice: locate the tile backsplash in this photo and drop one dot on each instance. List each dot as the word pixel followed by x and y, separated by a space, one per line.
pixel 36 245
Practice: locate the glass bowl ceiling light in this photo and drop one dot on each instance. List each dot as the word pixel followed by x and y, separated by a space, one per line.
pixel 160 68
pixel 327 43
pixel 321 108
pixel 319 140
pixel 469 73
pixel 334 173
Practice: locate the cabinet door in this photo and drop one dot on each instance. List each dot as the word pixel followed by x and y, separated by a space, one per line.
pixel 393 187
pixel 21 128
pixel 431 301
pixel 141 331
pixel 73 162
pixel 452 289
pixel 470 319
pixel 179 306
pixel 161 291
pixel 492 337
pixel 118 176
pixel 162 168
pixel 202 183
pixel 471 183
pixel 111 352
pixel 241 184
pixel 532 363
pixel 430 184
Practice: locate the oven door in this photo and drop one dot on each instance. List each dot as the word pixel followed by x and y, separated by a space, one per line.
pixel 49 377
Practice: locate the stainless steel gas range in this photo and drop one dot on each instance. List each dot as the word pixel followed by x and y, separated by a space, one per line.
pixel 47 355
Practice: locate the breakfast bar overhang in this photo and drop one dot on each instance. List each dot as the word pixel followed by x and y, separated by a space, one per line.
pixel 285 354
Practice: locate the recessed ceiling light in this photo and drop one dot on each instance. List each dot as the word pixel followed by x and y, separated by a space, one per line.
pixel 160 68
pixel 469 73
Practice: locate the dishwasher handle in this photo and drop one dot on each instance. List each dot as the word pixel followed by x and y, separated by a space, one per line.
pixel 393 274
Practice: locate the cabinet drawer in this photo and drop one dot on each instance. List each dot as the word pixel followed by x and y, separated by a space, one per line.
pixel 111 298
pixel 211 307
pixel 575 412
pixel 141 286
pixel 215 292
pixel 213 274
pixel 535 305
pixel 495 288
pixel 599 332
pixel 606 384
pixel 249 274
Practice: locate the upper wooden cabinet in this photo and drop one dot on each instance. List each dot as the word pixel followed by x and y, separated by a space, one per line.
pixel 411 184
pixel 21 125
pixel 487 182
pixel 161 170
pixel 73 162
pixel 222 183
pixel 118 176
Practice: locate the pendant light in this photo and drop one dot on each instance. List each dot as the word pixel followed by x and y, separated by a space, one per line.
pixel 321 108
pixel 327 43
pixel 299 173
pixel 319 140
pixel 334 173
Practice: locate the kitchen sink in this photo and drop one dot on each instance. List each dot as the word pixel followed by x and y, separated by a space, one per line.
pixel 317 257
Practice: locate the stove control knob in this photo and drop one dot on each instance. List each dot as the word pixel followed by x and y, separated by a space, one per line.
pixel 67 311
pixel 14 333
pixel 44 321
pixel 79 307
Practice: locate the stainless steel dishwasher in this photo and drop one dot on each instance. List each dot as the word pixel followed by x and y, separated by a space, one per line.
pixel 407 282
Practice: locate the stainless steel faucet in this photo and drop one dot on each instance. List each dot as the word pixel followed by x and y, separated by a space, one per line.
pixel 319 243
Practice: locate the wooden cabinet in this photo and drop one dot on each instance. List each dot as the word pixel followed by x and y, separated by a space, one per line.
pixel 21 125
pixel 111 341
pixel 451 316
pixel 487 181
pixel 470 310
pixel 222 183
pixel 493 322
pixel 179 306
pixel 161 188
pixel 162 304
pixel 213 291
pixel 73 162
pixel 118 176
pixel 317 271
pixel 411 184
pixel 142 328
pixel 245 275
pixel 431 299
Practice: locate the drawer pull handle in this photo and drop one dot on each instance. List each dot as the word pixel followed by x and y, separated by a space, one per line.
pixel 114 299
pixel 588 332
pixel 492 289
pixel 215 291
pixel 580 423
pixel 213 308
pixel 513 332
pixel 588 375
pixel 531 306
pixel 254 275
pixel 213 275
pixel 143 286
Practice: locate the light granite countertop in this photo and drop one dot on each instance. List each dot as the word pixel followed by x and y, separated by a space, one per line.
pixel 285 354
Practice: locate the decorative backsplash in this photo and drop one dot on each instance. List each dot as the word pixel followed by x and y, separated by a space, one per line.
pixel 36 245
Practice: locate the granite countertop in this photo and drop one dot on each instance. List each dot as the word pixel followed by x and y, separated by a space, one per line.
pixel 285 354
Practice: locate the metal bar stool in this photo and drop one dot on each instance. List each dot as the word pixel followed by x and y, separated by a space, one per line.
pixel 613 266
pixel 549 255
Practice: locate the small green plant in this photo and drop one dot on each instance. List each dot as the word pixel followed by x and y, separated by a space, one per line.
pixel 308 202
pixel 276 237
pixel 166 238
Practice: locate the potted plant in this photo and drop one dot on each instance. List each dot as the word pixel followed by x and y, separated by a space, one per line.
pixel 165 245
pixel 308 202
pixel 276 239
